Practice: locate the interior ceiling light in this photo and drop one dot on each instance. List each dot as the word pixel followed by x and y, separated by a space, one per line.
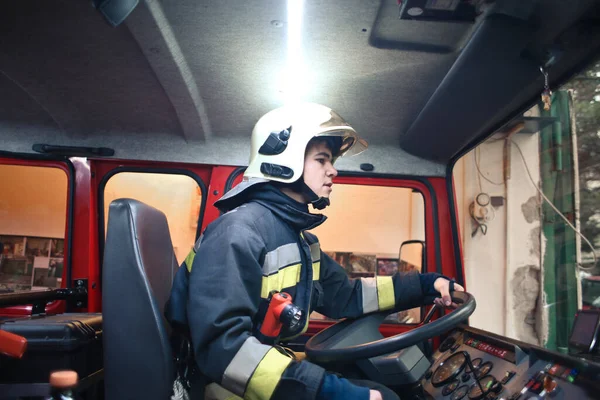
pixel 295 75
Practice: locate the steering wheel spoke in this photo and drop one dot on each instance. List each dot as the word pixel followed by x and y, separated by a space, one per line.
pixel 430 314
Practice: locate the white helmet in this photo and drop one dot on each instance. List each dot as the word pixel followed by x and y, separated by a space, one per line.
pixel 279 140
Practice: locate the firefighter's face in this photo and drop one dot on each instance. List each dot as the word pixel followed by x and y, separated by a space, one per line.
pixel 318 169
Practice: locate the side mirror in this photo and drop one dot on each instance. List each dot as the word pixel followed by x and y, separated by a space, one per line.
pixel 412 255
pixel 411 258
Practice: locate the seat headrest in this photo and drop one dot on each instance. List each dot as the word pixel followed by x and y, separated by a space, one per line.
pixel 138 270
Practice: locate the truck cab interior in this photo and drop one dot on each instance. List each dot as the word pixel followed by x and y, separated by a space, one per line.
pixel 123 121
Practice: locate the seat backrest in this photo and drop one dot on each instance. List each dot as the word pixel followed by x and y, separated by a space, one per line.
pixel 137 274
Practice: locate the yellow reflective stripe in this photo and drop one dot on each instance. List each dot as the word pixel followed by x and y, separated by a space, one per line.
pixel 267 375
pixel 286 277
pixel 385 292
pixel 189 260
pixel 316 270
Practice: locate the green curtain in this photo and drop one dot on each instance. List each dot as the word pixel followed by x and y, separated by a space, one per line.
pixel 560 257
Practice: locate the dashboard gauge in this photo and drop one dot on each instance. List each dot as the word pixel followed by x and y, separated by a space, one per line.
pixel 486 383
pixel 451 387
pixel 460 393
pixel 448 369
pixel 476 363
pixel 484 369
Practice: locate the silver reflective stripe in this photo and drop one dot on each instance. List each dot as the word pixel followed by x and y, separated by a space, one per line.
pixel 240 369
pixel 315 252
pixel 214 391
pixel 369 295
pixel 197 245
pixel 283 256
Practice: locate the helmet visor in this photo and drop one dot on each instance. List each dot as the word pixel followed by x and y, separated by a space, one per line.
pixel 351 144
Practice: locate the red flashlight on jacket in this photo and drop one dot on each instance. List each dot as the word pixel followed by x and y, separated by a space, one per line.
pixel 281 312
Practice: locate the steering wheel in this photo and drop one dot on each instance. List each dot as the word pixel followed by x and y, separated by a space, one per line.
pixel 358 339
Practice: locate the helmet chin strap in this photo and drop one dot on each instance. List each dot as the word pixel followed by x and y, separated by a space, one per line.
pixel 317 202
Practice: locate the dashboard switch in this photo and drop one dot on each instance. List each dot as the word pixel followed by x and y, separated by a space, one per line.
pixel 508 375
pixel 549 386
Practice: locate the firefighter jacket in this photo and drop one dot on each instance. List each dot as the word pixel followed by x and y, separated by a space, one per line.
pixel 260 244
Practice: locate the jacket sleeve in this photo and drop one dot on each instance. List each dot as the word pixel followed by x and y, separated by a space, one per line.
pixel 350 298
pixel 224 295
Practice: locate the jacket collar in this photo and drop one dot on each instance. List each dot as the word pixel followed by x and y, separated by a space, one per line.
pixel 296 214
pixel 263 192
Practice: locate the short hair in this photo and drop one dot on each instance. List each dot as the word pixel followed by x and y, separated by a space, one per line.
pixel 333 143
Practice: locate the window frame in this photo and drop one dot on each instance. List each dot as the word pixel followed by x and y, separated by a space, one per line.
pixel 148 170
pixel 64 164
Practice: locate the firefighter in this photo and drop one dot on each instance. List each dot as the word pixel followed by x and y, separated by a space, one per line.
pixel 260 246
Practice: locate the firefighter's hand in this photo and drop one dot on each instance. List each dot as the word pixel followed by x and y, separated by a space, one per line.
pixel 442 286
pixel 375 395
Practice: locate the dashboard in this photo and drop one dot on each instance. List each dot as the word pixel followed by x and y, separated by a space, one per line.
pixel 472 364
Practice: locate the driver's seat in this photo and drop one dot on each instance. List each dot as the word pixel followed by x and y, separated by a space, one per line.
pixel 137 274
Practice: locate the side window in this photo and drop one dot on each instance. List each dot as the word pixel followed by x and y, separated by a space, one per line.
pixel 529 214
pixel 33 208
pixel 178 196
pixel 365 229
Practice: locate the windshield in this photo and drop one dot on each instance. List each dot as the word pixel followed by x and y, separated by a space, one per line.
pixel 523 197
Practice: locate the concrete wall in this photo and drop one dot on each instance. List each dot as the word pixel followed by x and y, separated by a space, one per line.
pixel 502 267
pixel 484 256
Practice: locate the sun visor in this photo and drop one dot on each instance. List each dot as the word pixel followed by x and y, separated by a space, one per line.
pixel 115 11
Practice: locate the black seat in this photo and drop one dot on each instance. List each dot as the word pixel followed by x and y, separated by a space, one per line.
pixel 137 275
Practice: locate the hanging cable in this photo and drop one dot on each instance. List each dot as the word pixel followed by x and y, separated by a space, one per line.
pixel 481 173
pixel 556 209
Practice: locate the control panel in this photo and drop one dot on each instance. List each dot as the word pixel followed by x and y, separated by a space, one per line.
pixel 472 365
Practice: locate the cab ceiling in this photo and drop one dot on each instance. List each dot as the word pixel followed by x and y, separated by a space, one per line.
pixel 186 80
